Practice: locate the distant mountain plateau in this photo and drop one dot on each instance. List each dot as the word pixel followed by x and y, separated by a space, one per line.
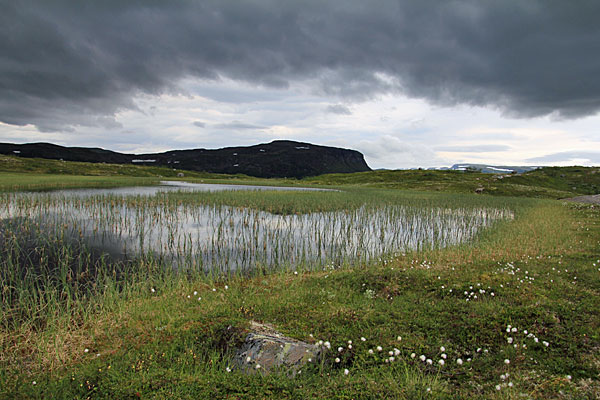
pixel 278 159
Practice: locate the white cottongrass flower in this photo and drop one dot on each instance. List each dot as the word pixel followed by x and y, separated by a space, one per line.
pixel 195 292
pixel 510 384
pixel 391 353
pixel 228 369
pixel 422 357
pixel 396 352
pixel 442 349
pixel 507 361
pixel 350 346
pixel 257 366
pixel 337 360
pixel 429 361
pixel 399 338
pixel 441 362
pixel 349 341
pixel 459 361
pixel 546 343
pixel 370 351
pixel 199 298
pixel 340 349
pixel 34 383
pixel 226 287
pixel 444 356
pixel 509 340
pixel 569 377
pixel 412 355
pixel 152 290
pixel 379 348
pixel 346 372
pixel 214 290
pixel 498 387
pixel 248 359
pixel 86 350
pixel 327 344
pixel 363 339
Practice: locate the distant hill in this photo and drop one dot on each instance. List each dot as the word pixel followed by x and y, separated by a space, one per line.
pixel 278 159
pixel 492 169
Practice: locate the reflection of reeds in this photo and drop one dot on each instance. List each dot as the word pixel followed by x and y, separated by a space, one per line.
pixel 52 249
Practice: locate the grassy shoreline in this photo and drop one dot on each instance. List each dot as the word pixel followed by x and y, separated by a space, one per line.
pixel 148 339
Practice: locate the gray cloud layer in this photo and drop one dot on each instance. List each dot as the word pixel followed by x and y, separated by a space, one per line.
pixel 566 156
pixel 67 63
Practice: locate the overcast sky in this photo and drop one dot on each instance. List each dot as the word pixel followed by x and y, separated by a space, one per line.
pixel 407 83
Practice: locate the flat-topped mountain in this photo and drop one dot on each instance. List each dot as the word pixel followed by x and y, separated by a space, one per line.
pixel 278 159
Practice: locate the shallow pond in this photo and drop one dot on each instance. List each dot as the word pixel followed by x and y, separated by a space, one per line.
pixel 223 239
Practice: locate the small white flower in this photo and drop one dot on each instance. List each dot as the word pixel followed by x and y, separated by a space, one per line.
pixel 546 343
pixel 257 366
pixel 422 357
pixel 396 352
pixel 337 360
pixel 370 351
pixel 510 384
pixel 379 348
pixel 441 362
pixel 214 290
pixel 498 387
pixel 391 353
pixel 507 361
pixel 152 290
pixel 569 377
pixel 248 359
pixel 349 341
pixel 327 344
pixel 34 383
pixel 346 372
pixel 226 287
pixel 195 292
pixel 444 356
pixel 228 369
pixel 399 338
pixel 509 340
pixel 429 361
pixel 310 360
pixel 363 339
pixel 442 349
pixel 412 355
pixel 459 361
pixel 503 377
pixel 350 346
pixel 340 349
pixel 86 350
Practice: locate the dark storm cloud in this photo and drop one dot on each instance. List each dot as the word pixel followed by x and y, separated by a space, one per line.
pixel 67 63
pixel 566 156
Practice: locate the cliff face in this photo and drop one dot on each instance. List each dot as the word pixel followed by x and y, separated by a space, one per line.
pixel 278 159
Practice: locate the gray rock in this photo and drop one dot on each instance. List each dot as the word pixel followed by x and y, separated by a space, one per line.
pixel 266 350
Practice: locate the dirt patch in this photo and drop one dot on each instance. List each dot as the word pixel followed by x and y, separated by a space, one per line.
pixel 591 199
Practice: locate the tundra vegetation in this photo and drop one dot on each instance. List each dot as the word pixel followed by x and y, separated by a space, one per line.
pixel 436 293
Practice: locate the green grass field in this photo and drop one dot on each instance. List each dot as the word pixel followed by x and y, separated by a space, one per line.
pixel 519 307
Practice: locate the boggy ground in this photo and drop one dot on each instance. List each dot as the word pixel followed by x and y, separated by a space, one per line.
pixel 514 315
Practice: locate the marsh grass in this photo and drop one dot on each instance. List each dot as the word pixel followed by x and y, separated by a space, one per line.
pixel 156 339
